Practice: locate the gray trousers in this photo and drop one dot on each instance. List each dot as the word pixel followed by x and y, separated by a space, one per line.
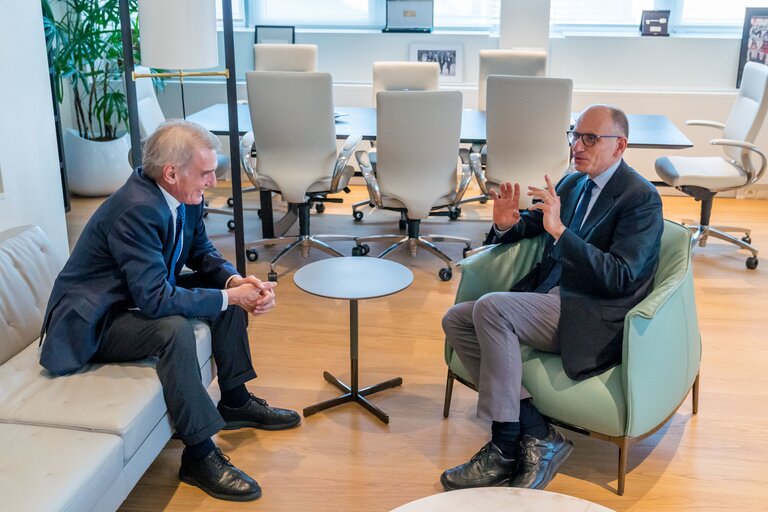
pixel 130 336
pixel 487 334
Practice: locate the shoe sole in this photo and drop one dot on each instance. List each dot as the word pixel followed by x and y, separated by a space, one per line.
pixel 227 497
pixel 448 487
pixel 555 464
pixel 236 425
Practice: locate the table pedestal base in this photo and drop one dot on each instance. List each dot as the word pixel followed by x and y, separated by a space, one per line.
pixel 354 396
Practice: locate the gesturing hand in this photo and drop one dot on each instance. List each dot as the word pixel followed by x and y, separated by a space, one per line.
pixel 549 205
pixel 506 205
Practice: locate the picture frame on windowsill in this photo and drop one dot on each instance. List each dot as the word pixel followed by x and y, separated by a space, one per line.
pixel 274 34
pixel 450 57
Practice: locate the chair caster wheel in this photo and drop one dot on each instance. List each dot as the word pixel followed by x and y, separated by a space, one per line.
pixel 320 207
pixel 752 262
pixel 357 215
pixel 258 212
pixel 252 255
pixel 205 215
pixel 483 200
pixel 231 202
pixel 272 276
pixel 746 239
pixel 361 250
pixel 231 224
pixel 454 213
pixel 402 224
pixel 445 274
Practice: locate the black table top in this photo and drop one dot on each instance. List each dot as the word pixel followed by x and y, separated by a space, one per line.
pixel 645 130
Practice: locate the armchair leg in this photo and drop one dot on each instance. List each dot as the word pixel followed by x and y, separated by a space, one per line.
pixel 695 395
pixel 623 444
pixel 448 394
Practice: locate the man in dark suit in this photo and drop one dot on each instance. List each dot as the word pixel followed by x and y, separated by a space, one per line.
pixel 603 227
pixel 121 297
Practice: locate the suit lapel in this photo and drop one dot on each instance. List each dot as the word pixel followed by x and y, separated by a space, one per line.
pixel 606 200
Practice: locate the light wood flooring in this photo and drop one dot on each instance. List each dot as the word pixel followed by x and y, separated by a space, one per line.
pixel 344 459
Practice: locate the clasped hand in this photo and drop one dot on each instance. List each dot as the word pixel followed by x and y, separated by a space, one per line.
pixel 506 206
pixel 252 294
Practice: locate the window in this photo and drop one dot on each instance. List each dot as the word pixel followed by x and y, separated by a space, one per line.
pixel 597 12
pixel 237 11
pixel 716 12
pixel 466 13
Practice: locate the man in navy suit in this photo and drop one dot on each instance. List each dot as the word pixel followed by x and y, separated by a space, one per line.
pixel 121 297
pixel 603 227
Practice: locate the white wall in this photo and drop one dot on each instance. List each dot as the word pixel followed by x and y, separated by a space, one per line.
pixel 27 135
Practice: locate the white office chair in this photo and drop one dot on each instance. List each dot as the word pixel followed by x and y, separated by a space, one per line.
pixel 151 116
pixel 285 57
pixel 295 153
pixel 417 133
pixel 398 76
pixel 508 62
pixel 526 126
pixel 703 177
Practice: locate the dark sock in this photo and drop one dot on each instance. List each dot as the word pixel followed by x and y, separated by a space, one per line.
pixel 532 423
pixel 197 451
pixel 235 397
pixel 506 435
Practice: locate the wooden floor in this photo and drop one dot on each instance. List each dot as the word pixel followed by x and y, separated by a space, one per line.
pixel 346 460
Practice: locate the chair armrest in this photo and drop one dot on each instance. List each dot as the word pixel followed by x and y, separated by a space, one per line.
pixel 703 122
pixel 661 348
pixel 746 162
pixel 370 177
pixel 477 169
pixel 247 156
pixel 466 177
pixel 341 160
pixel 497 268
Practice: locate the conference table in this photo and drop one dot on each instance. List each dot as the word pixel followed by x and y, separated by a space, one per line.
pixel 646 131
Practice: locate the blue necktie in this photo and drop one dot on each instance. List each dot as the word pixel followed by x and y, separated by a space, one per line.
pixel 553 278
pixel 177 244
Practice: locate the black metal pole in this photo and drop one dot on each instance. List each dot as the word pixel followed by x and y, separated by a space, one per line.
pixel 234 134
pixel 130 85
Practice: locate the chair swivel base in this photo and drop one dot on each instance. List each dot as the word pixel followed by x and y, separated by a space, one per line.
pixel 702 233
pixel 354 395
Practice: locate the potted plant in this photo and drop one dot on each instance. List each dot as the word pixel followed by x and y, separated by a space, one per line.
pixel 86 52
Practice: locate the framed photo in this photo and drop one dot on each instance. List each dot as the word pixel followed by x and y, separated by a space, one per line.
pixel 754 39
pixel 450 57
pixel 274 34
pixel 654 23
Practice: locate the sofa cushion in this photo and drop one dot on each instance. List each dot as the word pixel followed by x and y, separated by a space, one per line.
pixel 121 399
pixel 28 266
pixel 51 469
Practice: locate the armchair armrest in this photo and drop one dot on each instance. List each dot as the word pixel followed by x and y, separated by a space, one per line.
pixel 704 122
pixel 477 169
pixel 341 160
pixel 746 162
pixel 366 169
pixel 498 268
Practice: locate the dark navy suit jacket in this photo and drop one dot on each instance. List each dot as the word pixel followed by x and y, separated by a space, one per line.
pixel 605 273
pixel 122 260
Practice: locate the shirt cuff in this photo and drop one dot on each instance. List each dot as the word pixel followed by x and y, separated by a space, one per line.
pixel 499 233
pixel 225 300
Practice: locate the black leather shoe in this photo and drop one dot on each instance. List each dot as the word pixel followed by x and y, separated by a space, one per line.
pixel 257 413
pixel 541 458
pixel 218 477
pixel 486 468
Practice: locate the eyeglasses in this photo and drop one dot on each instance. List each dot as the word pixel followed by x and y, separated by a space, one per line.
pixel 589 139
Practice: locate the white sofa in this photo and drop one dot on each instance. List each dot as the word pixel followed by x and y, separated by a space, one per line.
pixel 79 442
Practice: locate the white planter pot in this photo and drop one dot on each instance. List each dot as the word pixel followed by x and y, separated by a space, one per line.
pixel 96 168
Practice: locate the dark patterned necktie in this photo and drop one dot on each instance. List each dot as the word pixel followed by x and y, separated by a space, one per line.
pixel 177 244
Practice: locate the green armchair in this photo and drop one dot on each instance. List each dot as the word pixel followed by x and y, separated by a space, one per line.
pixel 660 358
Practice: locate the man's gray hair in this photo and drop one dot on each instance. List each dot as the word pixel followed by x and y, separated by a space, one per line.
pixel 618 117
pixel 175 142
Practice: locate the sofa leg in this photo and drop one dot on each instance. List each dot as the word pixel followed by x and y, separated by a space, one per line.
pixel 695 395
pixel 448 394
pixel 623 445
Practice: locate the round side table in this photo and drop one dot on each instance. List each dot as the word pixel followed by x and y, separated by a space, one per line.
pixel 353 279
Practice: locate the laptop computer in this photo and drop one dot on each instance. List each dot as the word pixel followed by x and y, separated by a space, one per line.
pixel 409 16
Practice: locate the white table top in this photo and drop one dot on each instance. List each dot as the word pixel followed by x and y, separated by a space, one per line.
pixel 498 499
pixel 351 278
